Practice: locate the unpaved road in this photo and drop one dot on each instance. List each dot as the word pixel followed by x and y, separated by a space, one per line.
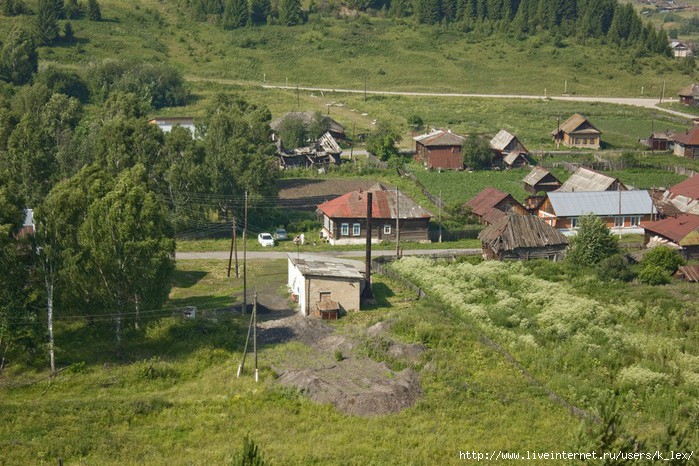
pixel 357 253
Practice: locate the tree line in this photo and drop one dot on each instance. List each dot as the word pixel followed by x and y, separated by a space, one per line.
pixel 109 192
pixel 606 19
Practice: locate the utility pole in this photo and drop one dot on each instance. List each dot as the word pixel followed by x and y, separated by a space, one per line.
pixel 254 336
pixel 365 78
pixel 241 366
pixel 230 254
pixel 397 223
pixel 298 98
pixel 662 93
pixel 354 124
pixel 440 215
pixel 367 266
pixel 621 219
pixel 245 257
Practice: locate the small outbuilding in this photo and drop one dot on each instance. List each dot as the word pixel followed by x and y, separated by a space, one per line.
pixel 440 150
pixel 679 232
pixel 166 124
pixel 324 286
pixel 690 95
pixel 522 237
pixel 491 204
pixel 687 144
pixel 689 273
pixel 540 179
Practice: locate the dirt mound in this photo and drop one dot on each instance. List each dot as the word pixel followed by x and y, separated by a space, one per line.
pixel 337 374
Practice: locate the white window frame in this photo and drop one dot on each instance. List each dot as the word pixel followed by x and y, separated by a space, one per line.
pixel 619 222
pixel 356 229
pixel 573 223
pixel 344 229
pixel 634 220
pixel 387 229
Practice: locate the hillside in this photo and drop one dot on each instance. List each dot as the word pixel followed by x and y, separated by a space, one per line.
pixel 385 53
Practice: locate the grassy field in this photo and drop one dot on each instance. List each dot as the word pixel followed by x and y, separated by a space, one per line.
pixel 174 398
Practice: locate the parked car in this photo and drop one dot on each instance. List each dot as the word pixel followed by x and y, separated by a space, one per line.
pixel 265 239
pixel 281 234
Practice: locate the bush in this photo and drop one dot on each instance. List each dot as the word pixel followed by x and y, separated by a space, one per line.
pixel 593 243
pixel 664 257
pixel 654 275
pixel 614 268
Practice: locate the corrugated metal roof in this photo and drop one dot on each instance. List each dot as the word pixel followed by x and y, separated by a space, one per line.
pixel 674 228
pixel 688 138
pixel 327 267
pixel 537 174
pixel 486 200
pixel 383 205
pixel 585 179
pixel 688 188
pixel 28 218
pixel 440 137
pixel 501 140
pixel 603 203
pixel 521 231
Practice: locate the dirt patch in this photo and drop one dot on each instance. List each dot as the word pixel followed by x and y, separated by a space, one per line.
pixel 336 373
pixel 307 193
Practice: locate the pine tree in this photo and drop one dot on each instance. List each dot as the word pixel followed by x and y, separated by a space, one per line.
pixel 58 8
pixel 46 23
pixel 289 12
pixel 235 14
pixel 260 11
pixel 94 12
pixel 72 9
pixel 428 11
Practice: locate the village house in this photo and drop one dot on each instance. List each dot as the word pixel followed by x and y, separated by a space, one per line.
pixel 681 198
pixel 687 144
pixel 323 286
pixel 577 131
pixel 440 150
pixel 490 205
pixel 690 95
pixel 540 180
pixel 584 179
pixel 658 140
pixel 166 124
pixel 335 129
pixel 679 50
pixel 680 232
pixel 522 237
pixel 393 213
pixel 622 211
pixel 505 142
pixel 320 154
pixel 28 227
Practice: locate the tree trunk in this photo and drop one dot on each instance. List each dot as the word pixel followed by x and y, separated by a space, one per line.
pixel 49 311
pixel 138 309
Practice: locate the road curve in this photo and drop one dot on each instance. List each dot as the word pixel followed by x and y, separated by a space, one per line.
pixel 633 101
pixel 283 254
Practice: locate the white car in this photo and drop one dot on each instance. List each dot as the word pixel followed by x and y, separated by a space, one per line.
pixel 265 239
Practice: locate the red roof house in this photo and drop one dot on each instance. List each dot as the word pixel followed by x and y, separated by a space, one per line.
pixel 681 198
pixel 687 144
pixel 490 205
pixel 680 232
pixel 344 218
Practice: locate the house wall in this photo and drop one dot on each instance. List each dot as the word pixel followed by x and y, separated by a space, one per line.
pixel 554 253
pixel 630 224
pixel 509 204
pixel 382 230
pixel 690 152
pixel 587 141
pixel 345 291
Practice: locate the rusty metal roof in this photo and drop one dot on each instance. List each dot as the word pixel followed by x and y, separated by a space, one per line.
pixel 674 228
pixel 521 231
pixel 688 188
pixel 688 138
pixel 385 205
pixel 486 200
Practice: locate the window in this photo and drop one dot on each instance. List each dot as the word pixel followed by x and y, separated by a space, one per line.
pixel 356 229
pixel 635 220
pixel 344 229
pixel 387 229
pixel 574 222
pixel 618 222
pixel 325 296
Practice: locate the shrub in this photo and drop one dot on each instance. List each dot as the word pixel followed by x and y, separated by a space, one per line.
pixel 663 257
pixel 654 275
pixel 614 268
pixel 593 243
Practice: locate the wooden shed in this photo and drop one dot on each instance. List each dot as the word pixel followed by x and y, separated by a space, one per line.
pixel 491 204
pixel 440 149
pixel 522 237
pixel 540 179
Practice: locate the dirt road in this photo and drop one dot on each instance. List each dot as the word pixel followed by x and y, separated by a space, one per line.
pixel 357 253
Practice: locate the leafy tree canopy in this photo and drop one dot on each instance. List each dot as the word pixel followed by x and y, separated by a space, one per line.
pixel 593 242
